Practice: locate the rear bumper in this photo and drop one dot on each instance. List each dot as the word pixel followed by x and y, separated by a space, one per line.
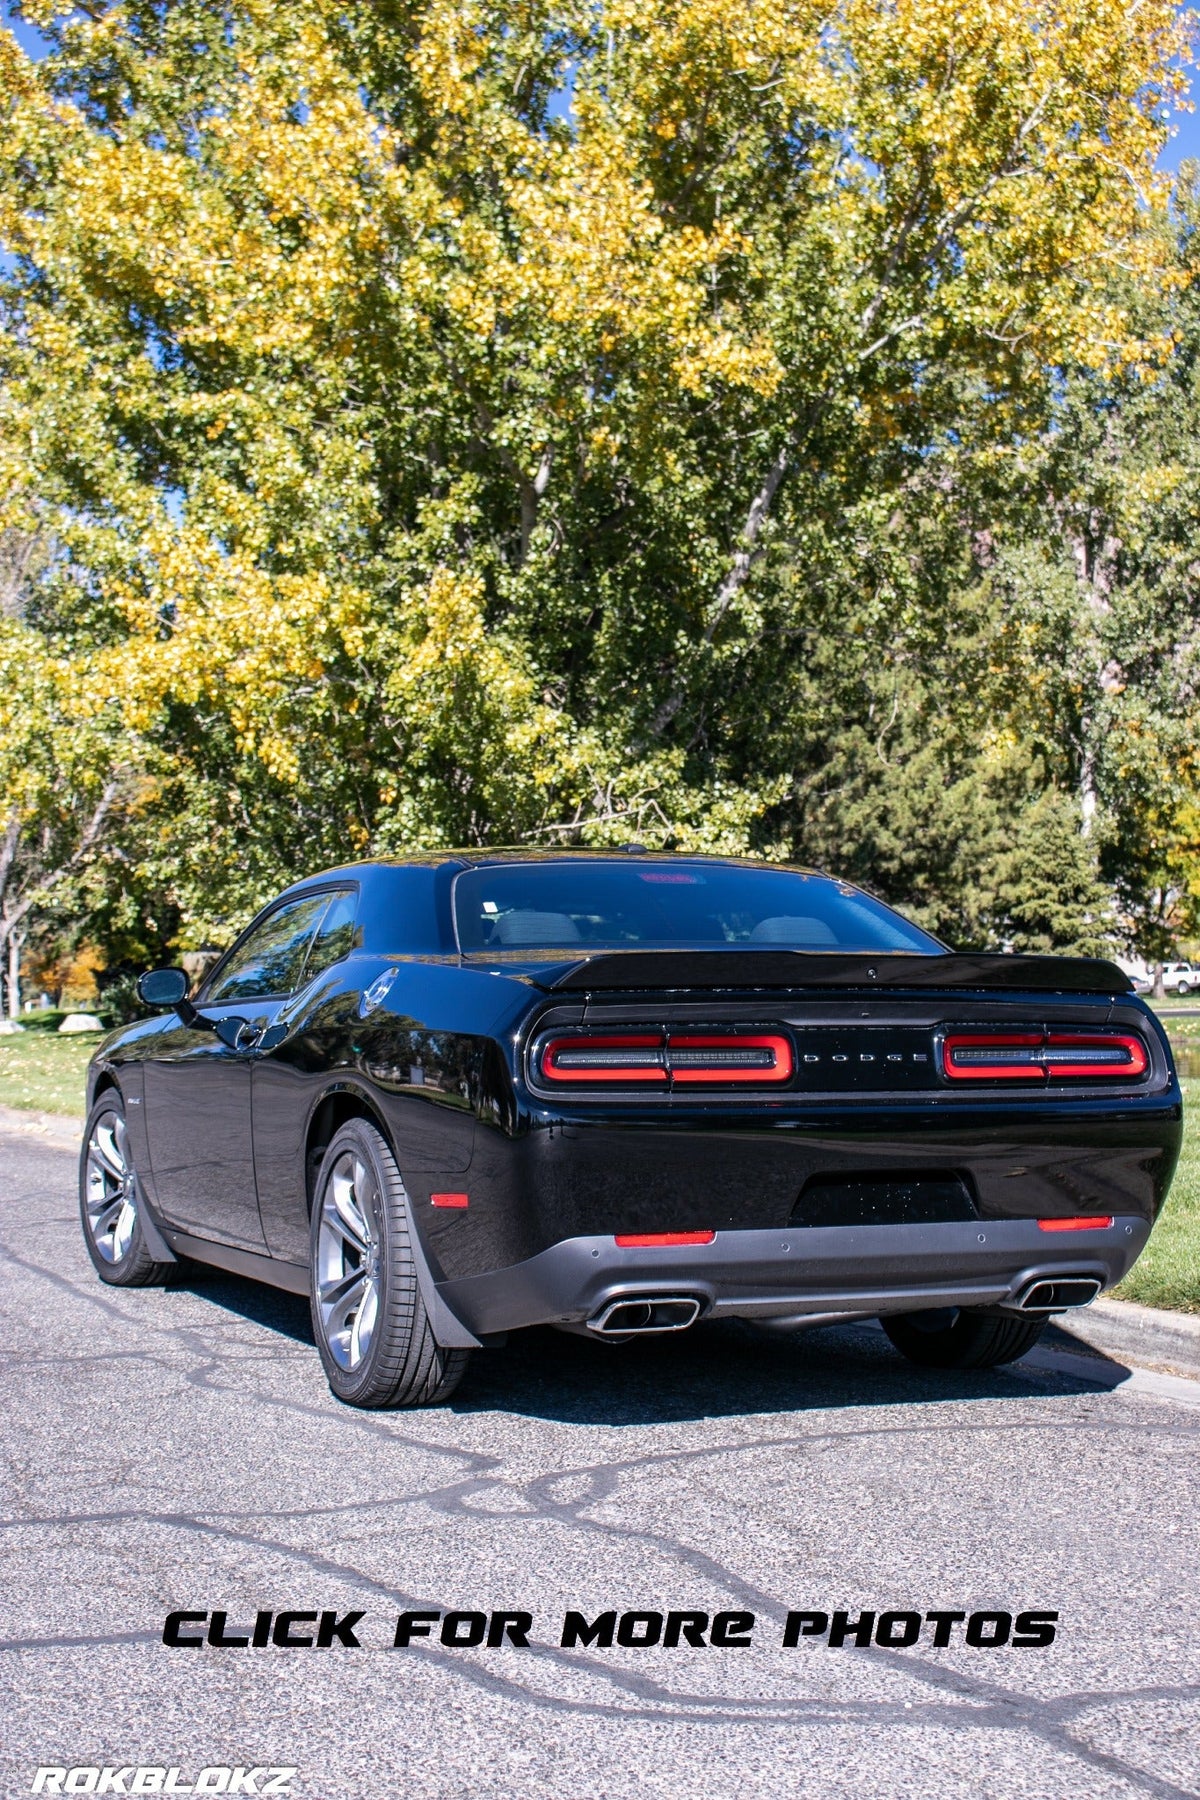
pixel 740 1169
pixel 797 1274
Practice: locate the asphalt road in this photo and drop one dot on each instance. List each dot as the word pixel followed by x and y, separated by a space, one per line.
pixel 179 1450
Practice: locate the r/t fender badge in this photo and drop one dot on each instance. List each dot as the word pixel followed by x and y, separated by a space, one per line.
pixel 376 994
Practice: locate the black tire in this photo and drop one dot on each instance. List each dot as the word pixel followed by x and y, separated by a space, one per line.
pixel 364 1281
pixel 111 1203
pixel 1182 989
pixel 953 1339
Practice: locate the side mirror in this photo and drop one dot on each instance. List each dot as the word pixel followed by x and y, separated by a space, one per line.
pixel 162 987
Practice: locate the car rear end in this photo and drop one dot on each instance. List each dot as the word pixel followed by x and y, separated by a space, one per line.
pixel 800 1136
pixel 809 1154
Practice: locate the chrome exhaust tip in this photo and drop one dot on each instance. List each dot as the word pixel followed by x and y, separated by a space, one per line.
pixel 1059 1293
pixel 641 1314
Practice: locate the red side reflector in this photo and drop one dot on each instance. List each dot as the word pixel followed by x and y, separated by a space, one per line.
pixel 1100 1222
pixel 662 1240
pixel 448 1199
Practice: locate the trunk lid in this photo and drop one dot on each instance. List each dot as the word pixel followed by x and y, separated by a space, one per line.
pixel 739 970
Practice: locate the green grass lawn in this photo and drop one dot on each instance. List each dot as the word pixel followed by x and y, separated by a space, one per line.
pixel 45 1072
pixel 1168 1271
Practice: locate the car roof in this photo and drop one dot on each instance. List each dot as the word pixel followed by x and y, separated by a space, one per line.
pixel 523 853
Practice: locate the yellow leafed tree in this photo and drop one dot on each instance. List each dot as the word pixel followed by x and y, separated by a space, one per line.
pixel 453 422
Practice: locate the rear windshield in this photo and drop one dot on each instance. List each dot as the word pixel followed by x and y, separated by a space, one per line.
pixel 670 905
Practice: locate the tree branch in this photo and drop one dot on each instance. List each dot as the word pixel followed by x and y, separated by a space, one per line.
pixel 739 571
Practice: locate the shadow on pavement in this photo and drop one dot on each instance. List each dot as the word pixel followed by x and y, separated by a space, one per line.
pixel 713 1371
pixel 285 1313
pixel 717 1371
pixel 1082 1358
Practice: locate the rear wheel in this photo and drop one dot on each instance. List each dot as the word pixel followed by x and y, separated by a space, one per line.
pixel 951 1338
pixel 370 1323
pixel 110 1202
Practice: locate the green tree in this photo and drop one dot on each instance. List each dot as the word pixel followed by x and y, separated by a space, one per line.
pixel 430 466
pixel 1092 567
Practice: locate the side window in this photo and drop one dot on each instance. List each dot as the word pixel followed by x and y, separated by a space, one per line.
pixel 270 960
pixel 335 935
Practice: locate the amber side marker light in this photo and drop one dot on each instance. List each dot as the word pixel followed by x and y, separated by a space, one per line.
pixel 457 1200
pixel 1098 1222
pixel 1042 1056
pixel 662 1240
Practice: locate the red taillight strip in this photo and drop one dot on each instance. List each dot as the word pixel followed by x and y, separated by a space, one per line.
pixel 685 1058
pixel 661 1240
pixel 604 1059
pixel 1043 1056
pixel 1061 1045
pixel 1014 1056
pixel 733 1058
pixel 1095 1222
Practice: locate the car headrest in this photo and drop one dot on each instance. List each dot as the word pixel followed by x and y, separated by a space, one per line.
pixel 527 927
pixel 792 931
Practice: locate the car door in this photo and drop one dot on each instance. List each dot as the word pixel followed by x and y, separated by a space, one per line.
pixel 198 1091
pixel 320 1020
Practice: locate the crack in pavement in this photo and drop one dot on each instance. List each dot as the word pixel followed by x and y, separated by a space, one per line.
pixel 190 1355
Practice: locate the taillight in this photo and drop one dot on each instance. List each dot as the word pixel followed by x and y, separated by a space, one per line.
pixel 755 1059
pixel 976 1057
pixel 679 1058
pixel 1043 1056
pixel 1073 1053
pixel 604 1059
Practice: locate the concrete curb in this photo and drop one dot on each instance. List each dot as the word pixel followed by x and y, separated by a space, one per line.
pixel 61 1130
pixel 1145 1335
pixel 1120 1329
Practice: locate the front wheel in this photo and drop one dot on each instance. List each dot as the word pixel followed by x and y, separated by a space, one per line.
pixel 951 1338
pixel 110 1202
pixel 1182 989
pixel 370 1323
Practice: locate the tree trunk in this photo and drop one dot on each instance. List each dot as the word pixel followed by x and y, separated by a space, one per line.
pixel 532 493
pixel 1095 549
pixel 1089 799
pixel 1159 990
pixel 15 941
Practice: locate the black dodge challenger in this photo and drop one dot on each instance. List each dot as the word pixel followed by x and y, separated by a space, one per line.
pixel 451 1096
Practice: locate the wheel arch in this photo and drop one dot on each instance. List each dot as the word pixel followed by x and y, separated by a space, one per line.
pixel 331 1112
pixel 105 1082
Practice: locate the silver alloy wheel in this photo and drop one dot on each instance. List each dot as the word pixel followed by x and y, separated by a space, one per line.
pixel 111 1187
pixel 348 1249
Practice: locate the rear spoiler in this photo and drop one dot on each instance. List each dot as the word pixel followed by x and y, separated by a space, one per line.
pixel 626 969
